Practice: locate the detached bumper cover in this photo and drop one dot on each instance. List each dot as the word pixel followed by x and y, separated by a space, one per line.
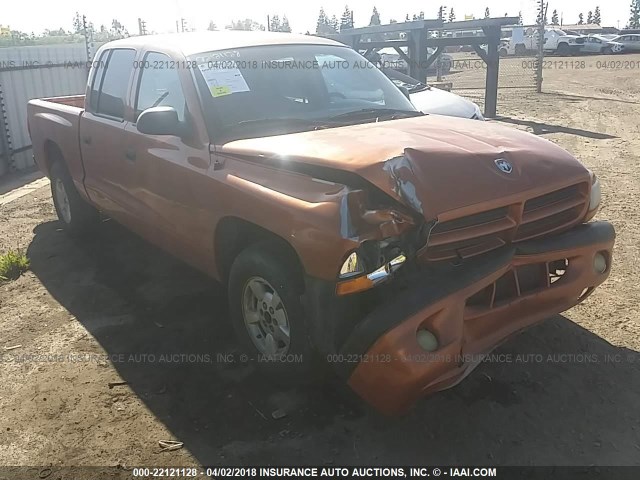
pixel 470 312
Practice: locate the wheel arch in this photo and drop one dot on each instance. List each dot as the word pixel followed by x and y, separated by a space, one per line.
pixel 233 235
pixel 52 154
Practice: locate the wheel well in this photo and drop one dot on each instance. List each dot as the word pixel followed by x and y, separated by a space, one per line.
pixel 52 154
pixel 233 235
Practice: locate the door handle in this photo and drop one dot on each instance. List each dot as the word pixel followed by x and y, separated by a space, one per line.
pixel 86 139
pixel 130 153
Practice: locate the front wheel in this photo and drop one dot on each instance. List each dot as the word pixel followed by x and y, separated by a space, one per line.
pixel 76 215
pixel 265 287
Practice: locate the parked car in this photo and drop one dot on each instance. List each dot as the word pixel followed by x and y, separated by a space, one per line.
pixel 597 44
pixel 346 224
pixel 391 59
pixel 631 42
pixel 433 100
pixel 524 41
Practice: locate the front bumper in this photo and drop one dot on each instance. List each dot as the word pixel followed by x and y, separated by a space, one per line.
pixel 470 312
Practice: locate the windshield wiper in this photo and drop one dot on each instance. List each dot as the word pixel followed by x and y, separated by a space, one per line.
pixel 279 121
pixel 377 112
pixel 419 88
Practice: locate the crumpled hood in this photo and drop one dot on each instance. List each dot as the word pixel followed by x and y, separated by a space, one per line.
pixel 432 164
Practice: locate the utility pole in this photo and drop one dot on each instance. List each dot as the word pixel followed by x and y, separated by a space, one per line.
pixel 142 26
pixel 268 24
pixel 542 13
pixel 88 39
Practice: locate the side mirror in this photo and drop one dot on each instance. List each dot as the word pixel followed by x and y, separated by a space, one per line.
pixel 405 91
pixel 160 121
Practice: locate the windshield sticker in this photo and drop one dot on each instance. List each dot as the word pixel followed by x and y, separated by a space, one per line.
pixel 223 81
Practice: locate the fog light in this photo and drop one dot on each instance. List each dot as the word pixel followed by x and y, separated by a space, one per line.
pixel 600 263
pixel 427 340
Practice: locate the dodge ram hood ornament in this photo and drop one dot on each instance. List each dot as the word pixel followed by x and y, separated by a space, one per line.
pixel 503 165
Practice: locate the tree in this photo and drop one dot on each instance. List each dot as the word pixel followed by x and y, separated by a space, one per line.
pixel 419 16
pixel 77 23
pixel 274 24
pixel 285 27
pixel 554 18
pixel 118 30
pixel 441 13
pixel 346 20
pixel 634 18
pixel 212 26
pixel 520 20
pixel 407 19
pixel 487 13
pixel 597 16
pixel 246 24
pixel 322 25
pixel 334 24
pixel 581 19
pixel 589 17
pixel 375 17
pixel 452 15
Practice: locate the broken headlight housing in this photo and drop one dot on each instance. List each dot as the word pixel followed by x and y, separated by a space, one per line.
pixel 352 266
pixel 595 198
pixel 353 279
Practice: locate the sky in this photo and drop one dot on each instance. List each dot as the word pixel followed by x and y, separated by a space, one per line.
pixel 161 15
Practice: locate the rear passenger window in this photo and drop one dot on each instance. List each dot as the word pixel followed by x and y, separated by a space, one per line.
pixel 159 85
pixel 111 97
pixel 98 72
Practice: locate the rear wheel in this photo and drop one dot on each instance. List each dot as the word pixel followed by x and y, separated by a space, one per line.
pixel 265 287
pixel 76 215
pixel 563 49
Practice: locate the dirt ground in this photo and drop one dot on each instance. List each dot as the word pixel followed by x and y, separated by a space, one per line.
pixel 85 308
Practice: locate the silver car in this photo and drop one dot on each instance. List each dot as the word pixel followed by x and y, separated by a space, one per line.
pixel 630 41
pixel 599 44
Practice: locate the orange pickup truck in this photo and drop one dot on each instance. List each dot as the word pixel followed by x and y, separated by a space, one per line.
pixel 399 247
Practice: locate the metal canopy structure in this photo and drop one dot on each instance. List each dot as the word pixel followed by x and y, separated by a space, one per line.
pixel 421 34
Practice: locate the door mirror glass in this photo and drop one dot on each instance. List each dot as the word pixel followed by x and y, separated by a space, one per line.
pixel 160 121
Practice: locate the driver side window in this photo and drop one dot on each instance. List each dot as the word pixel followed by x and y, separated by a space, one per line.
pixel 159 85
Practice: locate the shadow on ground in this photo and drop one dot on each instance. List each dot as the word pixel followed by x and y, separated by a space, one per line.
pixel 539 128
pixel 576 409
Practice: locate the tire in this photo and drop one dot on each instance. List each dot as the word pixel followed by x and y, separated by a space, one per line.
pixel 563 49
pixel 607 51
pixel 503 52
pixel 77 216
pixel 265 288
pixel 520 50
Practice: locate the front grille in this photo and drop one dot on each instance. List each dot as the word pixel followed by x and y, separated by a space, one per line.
pixel 553 211
pixel 472 235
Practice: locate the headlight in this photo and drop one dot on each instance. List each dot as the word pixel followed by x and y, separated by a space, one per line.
pixel 596 195
pixel 477 115
pixel 352 266
pixel 595 198
pixel 365 282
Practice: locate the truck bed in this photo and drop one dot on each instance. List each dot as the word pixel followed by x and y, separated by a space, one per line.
pixel 54 126
pixel 71 100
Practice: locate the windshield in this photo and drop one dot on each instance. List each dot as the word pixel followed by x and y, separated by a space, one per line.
pixel 271 90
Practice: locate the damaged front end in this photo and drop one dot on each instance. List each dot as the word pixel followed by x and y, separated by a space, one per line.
pixel 389 238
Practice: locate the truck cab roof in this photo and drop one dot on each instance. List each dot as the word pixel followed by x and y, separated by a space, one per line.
pixel 196 42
